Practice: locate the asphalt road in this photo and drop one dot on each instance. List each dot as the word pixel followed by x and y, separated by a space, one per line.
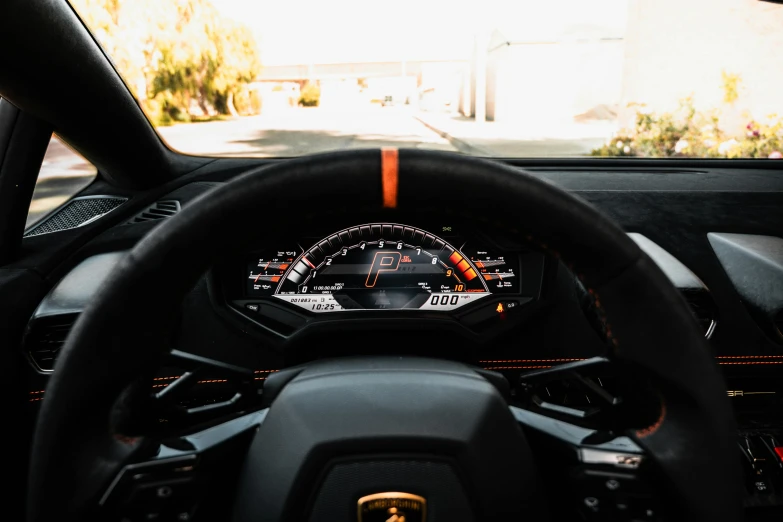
pixel 294 132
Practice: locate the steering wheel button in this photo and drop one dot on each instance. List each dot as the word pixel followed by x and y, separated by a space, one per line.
pixel 592 504
pixel 161 494
pixel 762 486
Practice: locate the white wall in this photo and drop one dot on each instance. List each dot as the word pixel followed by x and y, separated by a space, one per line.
pixel 676 47
pixel 553 81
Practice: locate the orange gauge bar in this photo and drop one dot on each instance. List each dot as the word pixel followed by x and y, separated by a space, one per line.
pixel 462 266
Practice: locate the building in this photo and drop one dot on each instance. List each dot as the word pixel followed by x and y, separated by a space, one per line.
pixel 649 52
pixel 548 64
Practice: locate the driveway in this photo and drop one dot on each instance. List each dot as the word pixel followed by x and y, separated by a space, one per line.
pixel 298 131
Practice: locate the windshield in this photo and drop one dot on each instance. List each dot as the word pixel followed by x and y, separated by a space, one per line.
pixel 505 78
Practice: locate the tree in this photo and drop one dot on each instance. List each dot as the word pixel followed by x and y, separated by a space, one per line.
pixel 175 55
pixel 238 61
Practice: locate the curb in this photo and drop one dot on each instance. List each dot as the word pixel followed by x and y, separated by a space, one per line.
pixel 460 145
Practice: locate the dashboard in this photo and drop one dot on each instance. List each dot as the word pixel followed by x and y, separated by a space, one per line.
pixel 472 275
pixel 431 285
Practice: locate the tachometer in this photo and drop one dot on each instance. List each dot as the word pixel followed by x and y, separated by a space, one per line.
pixel 381 266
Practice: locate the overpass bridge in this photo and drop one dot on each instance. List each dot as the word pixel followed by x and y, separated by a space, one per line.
pixel 333 71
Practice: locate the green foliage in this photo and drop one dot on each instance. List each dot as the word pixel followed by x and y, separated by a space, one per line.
pixel 761 140
pixel 247 102
pixel 310 95
pixel 179 57
pixel 687 132
pixel 731 84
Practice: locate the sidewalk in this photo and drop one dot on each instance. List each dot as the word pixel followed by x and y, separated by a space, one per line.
pixel 505 139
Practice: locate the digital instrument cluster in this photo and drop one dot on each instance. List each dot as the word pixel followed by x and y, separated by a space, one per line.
pixel 382 266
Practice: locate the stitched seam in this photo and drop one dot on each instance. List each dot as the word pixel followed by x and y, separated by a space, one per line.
pixel 739 363
pixel 601 312
pixel 41 392
pixel 529 360
pixel 749 357
pixel 646 432
pixel 513 367
pixel 750 362
pixel 164 385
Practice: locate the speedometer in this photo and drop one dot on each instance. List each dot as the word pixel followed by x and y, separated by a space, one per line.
pixel 381 266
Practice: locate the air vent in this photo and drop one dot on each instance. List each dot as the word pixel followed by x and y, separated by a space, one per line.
pixel 76 213
pixel 159 210
pixel 703 308
pixel 45 337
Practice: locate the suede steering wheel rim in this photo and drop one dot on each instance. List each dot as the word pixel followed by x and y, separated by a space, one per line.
pixel 120 336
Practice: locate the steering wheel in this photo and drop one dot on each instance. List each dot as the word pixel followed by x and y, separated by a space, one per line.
pixel 373 437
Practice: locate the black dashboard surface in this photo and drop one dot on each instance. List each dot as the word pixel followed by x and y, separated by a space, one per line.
pixel 674 208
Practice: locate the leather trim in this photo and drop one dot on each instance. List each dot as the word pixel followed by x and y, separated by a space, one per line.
pixel 390 169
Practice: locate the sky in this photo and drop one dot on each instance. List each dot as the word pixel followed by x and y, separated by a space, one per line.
pixel 332 31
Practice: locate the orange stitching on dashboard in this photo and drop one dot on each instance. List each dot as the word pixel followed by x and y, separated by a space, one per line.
pixel 749 357
pixel 596 298
pixel 488 361
pixel 658 423
pixel 209 381
pixel 513 367
pixel 126 439
pixel 749 362
pixel 530 360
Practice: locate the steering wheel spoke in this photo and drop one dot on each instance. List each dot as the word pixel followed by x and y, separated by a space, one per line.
pixel 600 393
pixel 187 474
pixel 174 406
pixel 602 477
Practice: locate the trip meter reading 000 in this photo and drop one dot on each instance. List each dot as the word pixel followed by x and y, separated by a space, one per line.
pixel 380 266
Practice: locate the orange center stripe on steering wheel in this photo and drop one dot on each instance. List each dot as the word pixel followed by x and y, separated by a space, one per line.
pixel 390 164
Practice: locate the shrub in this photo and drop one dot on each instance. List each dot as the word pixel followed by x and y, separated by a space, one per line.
pixel 247 102
pixel 687 132
pixel 310 96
